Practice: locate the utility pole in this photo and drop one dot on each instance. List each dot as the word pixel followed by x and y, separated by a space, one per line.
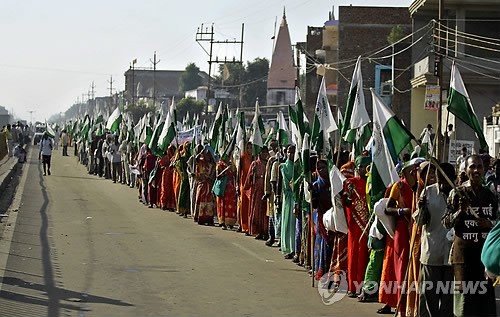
pixel 132 67
pixel 208 36
pixel 154 78
pixel 31 116
pixel 111 81
pixel 439 60
pixel 92 89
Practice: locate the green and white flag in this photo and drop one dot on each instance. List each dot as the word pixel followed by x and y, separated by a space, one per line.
pixel 271 135
pixel 383 119
pixel 114 120
pixel 460 105
pixel 282 130
pixel 215 129
pixel 168 130
pixel 240 131
pixel 257 130
pixel 356 115
pixel 324 123
pixel 84 131
pixel 154 142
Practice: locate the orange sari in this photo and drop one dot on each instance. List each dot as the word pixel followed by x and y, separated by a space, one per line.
pixel 244 202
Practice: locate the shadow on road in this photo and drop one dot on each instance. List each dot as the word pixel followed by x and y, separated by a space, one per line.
pixel 45 291
pixel 55 294
pixel 80 177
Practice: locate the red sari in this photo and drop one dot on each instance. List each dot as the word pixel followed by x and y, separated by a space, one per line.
pixel 167 196
pixel 258 219
pixel 396 260
pixel 227 204
pixel 245 162
pixel 205 199
pixel 357 242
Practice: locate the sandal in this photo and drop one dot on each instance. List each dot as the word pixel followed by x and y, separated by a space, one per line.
pixel 385 310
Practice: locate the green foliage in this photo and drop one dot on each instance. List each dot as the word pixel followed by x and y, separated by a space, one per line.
pixel 256 79
pixel 138 110
pixel 397 33
pixel 190 79
pixel 245 83
pixel 189 104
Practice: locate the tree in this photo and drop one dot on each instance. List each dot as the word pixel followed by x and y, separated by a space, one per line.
pixel 138 110
pixel 256 81
pixel 229 78
pixel 397 33
pixel 189 104
pixel 190 78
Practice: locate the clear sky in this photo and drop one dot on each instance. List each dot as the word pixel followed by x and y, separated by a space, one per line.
pixel 52 50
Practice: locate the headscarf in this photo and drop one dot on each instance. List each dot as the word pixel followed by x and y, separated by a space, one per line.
pixel 348 169
pixel 212 152
pixel 362 160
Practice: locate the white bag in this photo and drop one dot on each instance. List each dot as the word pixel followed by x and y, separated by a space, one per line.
pixel 328 220
pixel 389 222
pixel 374 232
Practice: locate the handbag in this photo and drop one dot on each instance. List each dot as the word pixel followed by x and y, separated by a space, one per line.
pixel 220 186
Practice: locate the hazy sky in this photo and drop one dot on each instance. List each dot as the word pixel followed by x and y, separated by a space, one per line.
pixel 52 50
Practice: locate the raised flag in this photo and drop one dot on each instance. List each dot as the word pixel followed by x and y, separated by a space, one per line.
pixel 460 105
pixel 168 131
pixel 257 130
pixel 356 115
pixel 282 130
pixel 383 118
pixel 324 123
pixel 114 120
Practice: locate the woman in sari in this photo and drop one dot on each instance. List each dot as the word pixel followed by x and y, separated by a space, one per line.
pixel 244 198
pixel 176 178
pixel 227 203
pixel 321 202
pixel 191 169
pixel 258 220
pixel 205 176
pixel 167 197
pixel 183 201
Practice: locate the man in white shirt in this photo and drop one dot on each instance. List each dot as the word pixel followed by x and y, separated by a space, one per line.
pixel 45 152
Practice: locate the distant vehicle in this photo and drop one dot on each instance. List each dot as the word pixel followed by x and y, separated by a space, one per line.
pixel 37 137
pixel 39 130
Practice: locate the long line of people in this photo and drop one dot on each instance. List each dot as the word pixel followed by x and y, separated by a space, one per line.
pixel 433 232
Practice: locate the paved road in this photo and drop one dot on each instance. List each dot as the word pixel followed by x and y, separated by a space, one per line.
pixel 82 246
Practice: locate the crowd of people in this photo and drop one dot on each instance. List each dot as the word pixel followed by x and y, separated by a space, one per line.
pixel 421 254
pixel 16 137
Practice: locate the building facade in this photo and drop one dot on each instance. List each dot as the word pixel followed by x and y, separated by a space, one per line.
pixel 365 31
pixel 468 35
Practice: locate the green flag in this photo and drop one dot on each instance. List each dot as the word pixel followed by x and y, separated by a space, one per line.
pixel 114 120
pixel 355 113
pixel 460 105
pixel 256 136
pixel 324 123
pixel 168 131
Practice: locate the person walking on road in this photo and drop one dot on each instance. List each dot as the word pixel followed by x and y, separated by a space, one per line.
pixel 64 141
pixel 9 139
pixel 116 160
pixel 45 152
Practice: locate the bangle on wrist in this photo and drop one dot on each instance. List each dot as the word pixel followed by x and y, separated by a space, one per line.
pixel 400 211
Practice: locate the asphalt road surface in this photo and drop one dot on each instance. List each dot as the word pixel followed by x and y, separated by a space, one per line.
pixel 79 245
